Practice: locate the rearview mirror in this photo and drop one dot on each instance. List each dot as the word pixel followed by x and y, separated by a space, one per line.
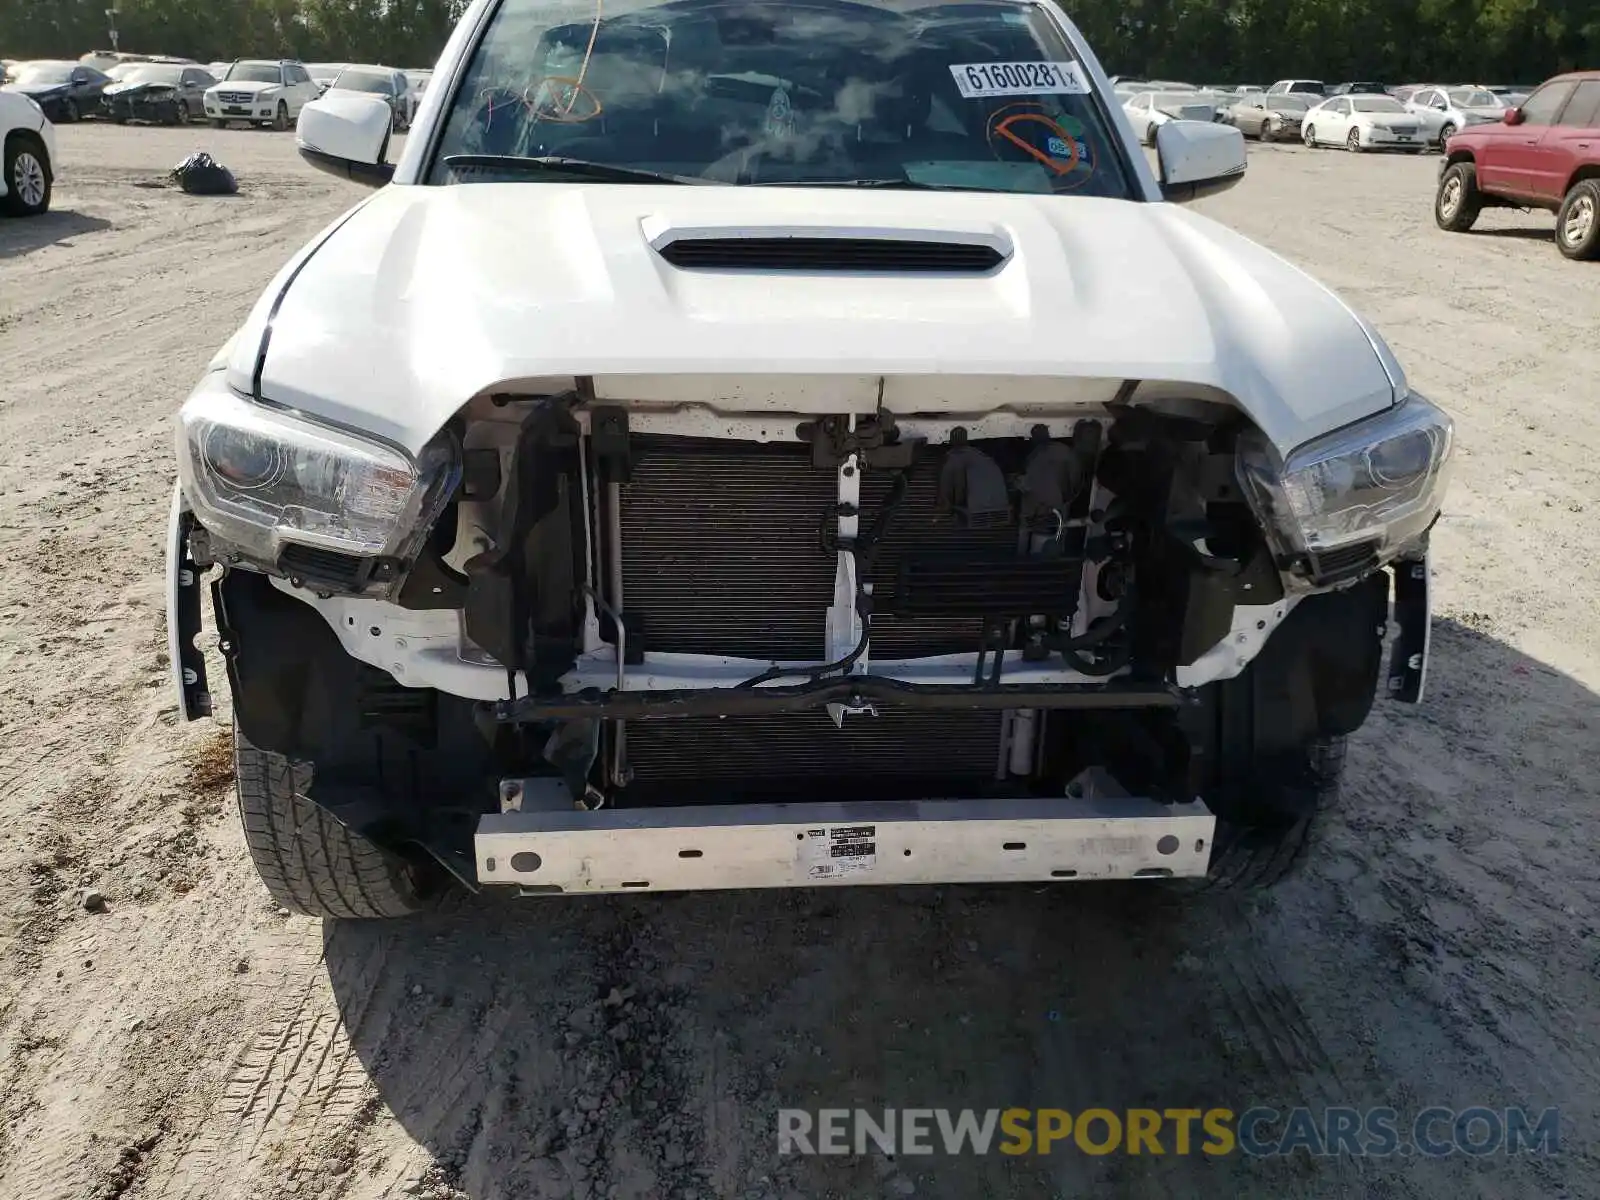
pixel 1513 116
pixel 1198 158
pixel 347 136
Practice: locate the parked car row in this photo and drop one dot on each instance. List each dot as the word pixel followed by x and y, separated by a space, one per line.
pixel 174 91
pixel 1402 119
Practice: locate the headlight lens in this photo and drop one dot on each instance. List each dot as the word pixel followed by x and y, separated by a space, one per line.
pixel 259 477
pixel 1380 480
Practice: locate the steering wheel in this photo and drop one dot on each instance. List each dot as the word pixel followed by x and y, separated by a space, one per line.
pixel 564 100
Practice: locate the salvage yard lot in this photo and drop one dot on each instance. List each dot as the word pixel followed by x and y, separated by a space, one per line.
pixel 1443 947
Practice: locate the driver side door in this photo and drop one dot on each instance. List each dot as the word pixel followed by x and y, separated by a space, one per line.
pixel 1520 160
pixel 1428 106
pixel 1334 123
pixel 302 88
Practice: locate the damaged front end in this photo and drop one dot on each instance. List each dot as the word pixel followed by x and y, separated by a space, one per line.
pixel 621 646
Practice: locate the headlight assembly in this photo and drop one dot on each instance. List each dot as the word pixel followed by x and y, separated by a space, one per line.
pixel 1376 484
pixel 259 477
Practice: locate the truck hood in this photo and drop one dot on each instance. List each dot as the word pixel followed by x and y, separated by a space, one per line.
pixel 422 297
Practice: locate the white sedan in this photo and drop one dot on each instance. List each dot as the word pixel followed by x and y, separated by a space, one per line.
pixel 1363 123
pixel 1148 111
pixel 1442 112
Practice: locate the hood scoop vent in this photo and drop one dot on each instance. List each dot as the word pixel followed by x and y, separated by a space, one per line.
pixel 803 253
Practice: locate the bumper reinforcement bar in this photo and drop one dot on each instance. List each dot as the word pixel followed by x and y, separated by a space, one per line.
pixel 1040 839
pixel 854 690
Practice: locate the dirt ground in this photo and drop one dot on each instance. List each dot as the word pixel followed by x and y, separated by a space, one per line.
pixel 191 1040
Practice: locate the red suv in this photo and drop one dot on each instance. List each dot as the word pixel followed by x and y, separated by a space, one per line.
pixel 1545 154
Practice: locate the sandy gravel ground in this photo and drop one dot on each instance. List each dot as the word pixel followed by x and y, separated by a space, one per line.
pixel 190 1040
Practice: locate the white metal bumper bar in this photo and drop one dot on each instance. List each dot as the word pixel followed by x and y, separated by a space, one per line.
pixel 801 845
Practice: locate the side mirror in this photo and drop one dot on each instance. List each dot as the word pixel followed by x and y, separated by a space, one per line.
pixel 347 136
pixel 1513 116
pixel 1198 158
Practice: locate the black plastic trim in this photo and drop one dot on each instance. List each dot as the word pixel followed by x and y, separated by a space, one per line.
pixel 373 175
pixel 196 694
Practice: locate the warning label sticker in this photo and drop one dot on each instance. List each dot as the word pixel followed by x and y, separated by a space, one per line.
pixel 831 851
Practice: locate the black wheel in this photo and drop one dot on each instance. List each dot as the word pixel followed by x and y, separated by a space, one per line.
pixel 1264 132
pixel 69 111
pixel 1578 222
pixel 311 863
pixel 1309 135
pixel 180 113
pixel 1150 135
pixel 27 175
pixel 1261 853
pixel 1446 132
pixel 1271 740
pixel 1353 142
pixel 1458 202
pixel 280 119
pixel 119 119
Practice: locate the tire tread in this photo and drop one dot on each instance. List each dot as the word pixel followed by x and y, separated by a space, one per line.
pixel 309 861
pixel 1260 857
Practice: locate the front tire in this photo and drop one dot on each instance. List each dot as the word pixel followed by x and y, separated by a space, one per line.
pixel 1258 855
pixel 1458 202
pixel 280 119
pixel 27 175
pixel 69 111
pixel 1353 142
pixel 310 862
pixel 1310 135
pixel 1578 222
pixel 1446 132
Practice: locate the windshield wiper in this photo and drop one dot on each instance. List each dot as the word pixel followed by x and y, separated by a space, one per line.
pixel 576 168
pixel 902 184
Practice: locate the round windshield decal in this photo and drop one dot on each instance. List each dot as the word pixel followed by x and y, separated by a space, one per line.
pixel 1059 144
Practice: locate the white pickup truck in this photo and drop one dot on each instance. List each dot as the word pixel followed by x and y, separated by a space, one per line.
pixel 784 443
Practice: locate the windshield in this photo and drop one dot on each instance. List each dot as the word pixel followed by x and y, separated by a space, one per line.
pixel 960 95
pixel 152 74
pixel 322 73
pixel 1288 104
pixel 364 81
pixel 1377 104
pixel 1474 98
pixel 257 72
pixel 1177 99
pixel 42 74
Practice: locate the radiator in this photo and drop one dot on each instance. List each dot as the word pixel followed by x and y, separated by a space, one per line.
pixel 722 551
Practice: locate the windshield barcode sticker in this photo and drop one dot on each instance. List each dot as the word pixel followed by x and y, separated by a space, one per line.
pixel 1019 79
pixel 839 850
